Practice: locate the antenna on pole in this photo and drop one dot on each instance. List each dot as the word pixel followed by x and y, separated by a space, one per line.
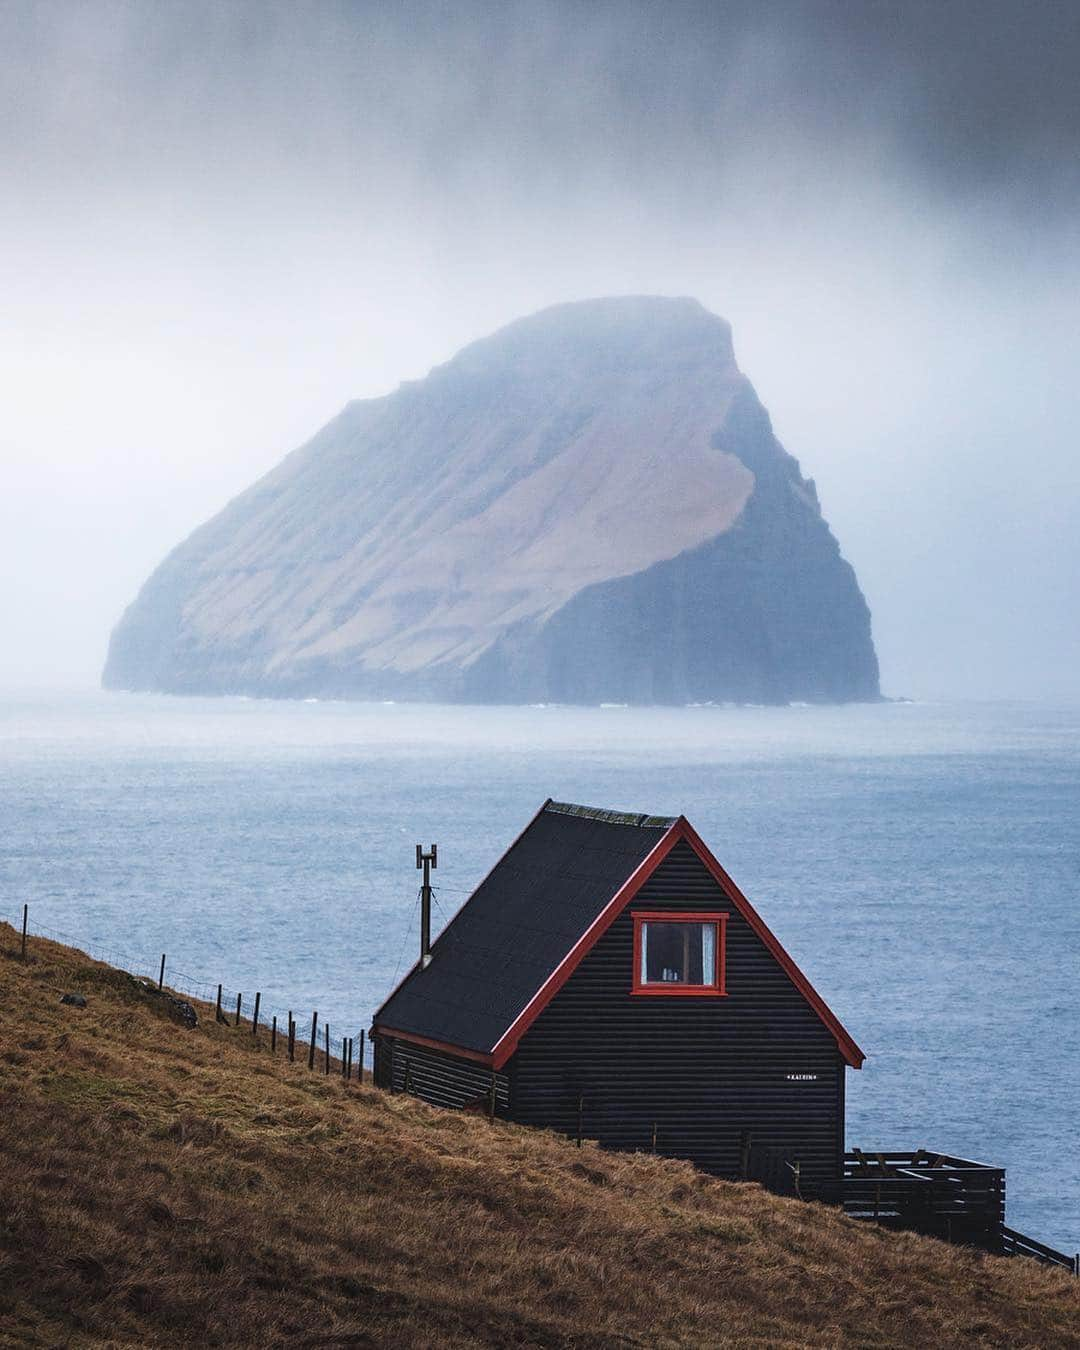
pixel 427 861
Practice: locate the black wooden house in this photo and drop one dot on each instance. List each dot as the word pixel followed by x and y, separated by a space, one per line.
pixel 608 978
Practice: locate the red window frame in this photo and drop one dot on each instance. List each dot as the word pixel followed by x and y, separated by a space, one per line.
pixel 717 989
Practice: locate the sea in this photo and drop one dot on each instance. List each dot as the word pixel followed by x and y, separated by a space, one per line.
pixel 920 861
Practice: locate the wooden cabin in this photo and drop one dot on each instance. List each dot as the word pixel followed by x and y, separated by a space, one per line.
pixel 609 979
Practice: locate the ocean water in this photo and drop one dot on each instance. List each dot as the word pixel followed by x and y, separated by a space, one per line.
pixel 920 862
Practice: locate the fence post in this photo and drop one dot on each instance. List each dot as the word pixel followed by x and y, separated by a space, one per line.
pixel 311 1047
pixel 654 1136
pixel 580 1114
pixel 273 1035
pixel 746 1141
pixel 326 1030
pixel 219 1015
pixel 238 998
pixel 360 1062
pixel 292 1038
pixel 344 1048
pixel 161 973
pixel 25 909
pixel 255 1016
pixel 348 1062
pixel 491 1098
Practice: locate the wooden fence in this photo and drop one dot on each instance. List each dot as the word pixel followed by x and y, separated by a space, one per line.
pixel 1018 1244
pixel 345 1055
pixel 942 1196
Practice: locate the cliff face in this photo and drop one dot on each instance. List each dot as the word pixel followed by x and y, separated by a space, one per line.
pixel 589 505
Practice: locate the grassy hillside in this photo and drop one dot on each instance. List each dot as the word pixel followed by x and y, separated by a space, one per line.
pixel 165 1187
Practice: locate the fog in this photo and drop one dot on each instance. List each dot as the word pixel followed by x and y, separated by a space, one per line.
pixel 219 222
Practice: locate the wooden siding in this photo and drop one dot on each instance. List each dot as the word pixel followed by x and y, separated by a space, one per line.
pixel 707 1071
pixel 381 1058
pixel 438 1078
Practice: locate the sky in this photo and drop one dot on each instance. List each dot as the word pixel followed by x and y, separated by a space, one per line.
pixel 221 221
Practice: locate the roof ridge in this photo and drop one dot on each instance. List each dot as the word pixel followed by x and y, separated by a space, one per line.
pixel 641 820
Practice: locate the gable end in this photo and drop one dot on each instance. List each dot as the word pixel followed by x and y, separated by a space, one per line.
pixel 681 832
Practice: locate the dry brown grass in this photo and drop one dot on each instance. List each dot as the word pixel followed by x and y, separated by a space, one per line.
pixel 163 1187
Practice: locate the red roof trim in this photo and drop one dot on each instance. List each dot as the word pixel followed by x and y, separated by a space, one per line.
pixel 848 1048
pixel 507 1043
pixel 681 830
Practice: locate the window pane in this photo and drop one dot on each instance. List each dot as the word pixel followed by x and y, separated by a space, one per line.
pixel 678 953
pixel 708 953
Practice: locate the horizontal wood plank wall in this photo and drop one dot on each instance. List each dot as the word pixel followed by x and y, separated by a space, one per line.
pixel 382 1055
pixel 439 1078
pixel 704 1070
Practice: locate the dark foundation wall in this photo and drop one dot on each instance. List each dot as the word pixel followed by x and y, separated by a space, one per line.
pixel 708 1072
pixel 438 1078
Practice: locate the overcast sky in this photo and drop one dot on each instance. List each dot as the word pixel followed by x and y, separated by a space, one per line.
pixel 219 222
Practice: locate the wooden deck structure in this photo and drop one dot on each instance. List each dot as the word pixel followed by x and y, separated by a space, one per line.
pixel 951 1198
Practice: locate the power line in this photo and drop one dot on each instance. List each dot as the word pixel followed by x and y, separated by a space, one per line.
pixel 404 941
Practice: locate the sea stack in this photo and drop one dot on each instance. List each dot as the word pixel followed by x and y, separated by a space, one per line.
pixel 588 506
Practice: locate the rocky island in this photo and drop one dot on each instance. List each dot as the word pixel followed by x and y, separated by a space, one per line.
pixel 588 506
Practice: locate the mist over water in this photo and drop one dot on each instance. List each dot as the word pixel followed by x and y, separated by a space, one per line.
pixel 918 861
pixel 223 221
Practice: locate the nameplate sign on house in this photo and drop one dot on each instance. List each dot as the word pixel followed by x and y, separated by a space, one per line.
pixel 801 1077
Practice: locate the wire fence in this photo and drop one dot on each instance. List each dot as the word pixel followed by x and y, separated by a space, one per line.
pixel 300 1030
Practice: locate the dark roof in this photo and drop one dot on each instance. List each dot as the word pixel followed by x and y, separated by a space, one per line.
pixel 523 919
pixel 520 936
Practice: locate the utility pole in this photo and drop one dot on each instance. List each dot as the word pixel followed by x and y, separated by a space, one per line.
pixel 426 861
